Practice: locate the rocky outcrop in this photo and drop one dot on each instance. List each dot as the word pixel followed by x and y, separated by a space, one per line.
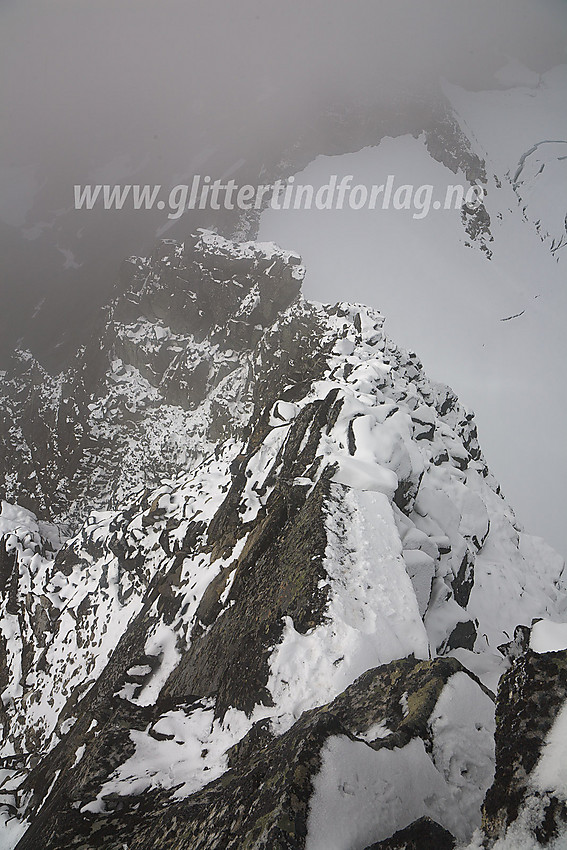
pixel 527 799
pixel 423 834
pixel 179 332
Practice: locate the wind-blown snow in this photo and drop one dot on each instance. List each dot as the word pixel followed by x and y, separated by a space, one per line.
pixel 190 753
pixel 547 636
pixel 372 617
pixel 550 773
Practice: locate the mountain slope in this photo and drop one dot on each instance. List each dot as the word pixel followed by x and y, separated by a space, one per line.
pixel 277 604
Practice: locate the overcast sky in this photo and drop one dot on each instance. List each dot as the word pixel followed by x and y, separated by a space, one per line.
pixel 83 79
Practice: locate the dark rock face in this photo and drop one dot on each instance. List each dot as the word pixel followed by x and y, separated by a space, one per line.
pixel 31 459
pixel 447 143
pixel 463 635
pixel 530 696
pixel 424 834
pixel 263 799
pixel 476 221
pixel 277 575
pixel 182 324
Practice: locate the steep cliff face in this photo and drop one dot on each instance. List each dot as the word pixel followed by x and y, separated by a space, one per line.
pixel 527 804
pixel 163 378
pixel 294 641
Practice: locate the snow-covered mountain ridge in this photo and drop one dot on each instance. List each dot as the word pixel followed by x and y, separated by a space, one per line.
pixel 294 641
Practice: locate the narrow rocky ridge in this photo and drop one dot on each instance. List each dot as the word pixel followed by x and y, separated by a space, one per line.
pixel 299 606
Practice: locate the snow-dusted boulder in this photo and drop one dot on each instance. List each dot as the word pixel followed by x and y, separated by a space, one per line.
pixel 526 807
